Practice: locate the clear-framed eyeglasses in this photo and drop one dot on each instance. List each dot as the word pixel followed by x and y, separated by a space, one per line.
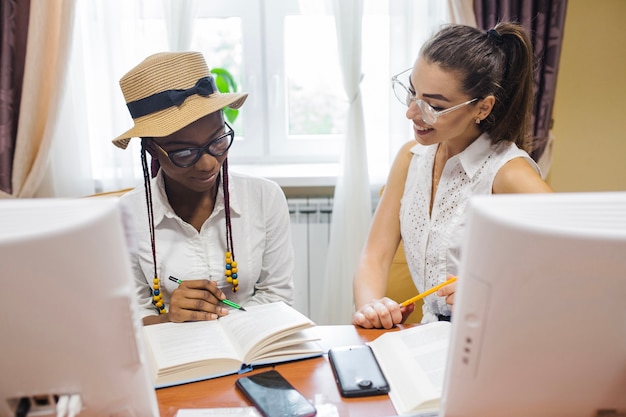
pixel 186 157
pixel 405 96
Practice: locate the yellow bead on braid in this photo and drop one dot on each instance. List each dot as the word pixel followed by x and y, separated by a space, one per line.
pixel 230 271
pixel 234 276
pixel 157 297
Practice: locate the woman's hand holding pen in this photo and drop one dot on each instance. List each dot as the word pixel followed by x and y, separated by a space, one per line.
pixel 385 313
pixel 382 313
pixel 196 300
pixel 448 292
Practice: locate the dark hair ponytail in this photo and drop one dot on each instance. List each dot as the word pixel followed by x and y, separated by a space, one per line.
pixel 498 62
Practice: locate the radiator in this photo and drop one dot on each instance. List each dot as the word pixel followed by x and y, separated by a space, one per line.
pixel 310 231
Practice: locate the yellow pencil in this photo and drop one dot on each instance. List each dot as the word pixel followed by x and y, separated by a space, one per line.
pixel 427 292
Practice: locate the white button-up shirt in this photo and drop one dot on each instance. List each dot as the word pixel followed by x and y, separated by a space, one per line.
pixel 261 239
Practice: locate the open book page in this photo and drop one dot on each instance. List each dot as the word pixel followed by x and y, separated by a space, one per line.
pixel 293 343
pixel 288 353
pixel 185 352
pixel 261 325
pixel 177 346
pixel 414 361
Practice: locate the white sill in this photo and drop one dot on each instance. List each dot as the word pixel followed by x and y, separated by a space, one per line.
pixel 303 180
pixel 294 175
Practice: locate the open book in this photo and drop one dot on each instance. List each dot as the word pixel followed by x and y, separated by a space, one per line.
pixel 266 334
pixel 414 362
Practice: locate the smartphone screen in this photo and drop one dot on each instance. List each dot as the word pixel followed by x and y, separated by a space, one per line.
pixel 357 372
pixel 274 396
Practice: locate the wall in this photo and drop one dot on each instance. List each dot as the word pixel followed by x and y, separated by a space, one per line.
pixel 590 104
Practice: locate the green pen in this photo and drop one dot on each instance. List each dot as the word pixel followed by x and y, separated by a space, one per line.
pixel 225 301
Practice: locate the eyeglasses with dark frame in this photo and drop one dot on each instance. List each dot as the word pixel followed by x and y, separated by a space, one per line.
pixel 187 157
pixel 405 96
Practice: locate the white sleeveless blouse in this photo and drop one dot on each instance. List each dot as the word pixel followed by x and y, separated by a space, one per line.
pixel 432 243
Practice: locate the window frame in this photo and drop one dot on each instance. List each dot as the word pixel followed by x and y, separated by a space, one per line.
pixel 262 146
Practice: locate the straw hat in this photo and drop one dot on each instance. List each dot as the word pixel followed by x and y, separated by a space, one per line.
pixel 168 91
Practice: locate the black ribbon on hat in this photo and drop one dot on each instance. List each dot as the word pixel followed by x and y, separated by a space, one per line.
pixel 495 36
pixel 169 98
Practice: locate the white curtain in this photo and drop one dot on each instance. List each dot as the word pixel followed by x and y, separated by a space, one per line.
pixel 352 200
pixel 101 57
pixel 179 21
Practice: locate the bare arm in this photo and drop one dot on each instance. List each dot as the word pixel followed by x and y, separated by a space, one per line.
pixel 370 280
pixel 518 176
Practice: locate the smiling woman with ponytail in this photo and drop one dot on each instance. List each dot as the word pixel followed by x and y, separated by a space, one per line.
pixel 469 98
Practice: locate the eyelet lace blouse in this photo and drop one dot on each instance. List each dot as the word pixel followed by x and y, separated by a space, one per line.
pixel 432 242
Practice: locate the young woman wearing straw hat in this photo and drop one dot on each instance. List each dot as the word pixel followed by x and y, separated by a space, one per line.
pixel 204 234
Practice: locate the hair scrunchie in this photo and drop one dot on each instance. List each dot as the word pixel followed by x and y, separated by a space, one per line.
pixel 495 37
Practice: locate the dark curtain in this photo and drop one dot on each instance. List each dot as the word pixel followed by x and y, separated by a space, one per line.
pixel 544 20
pixel 13 36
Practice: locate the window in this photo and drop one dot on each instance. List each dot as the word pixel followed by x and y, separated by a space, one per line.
pixel 295 111
pixel 282 52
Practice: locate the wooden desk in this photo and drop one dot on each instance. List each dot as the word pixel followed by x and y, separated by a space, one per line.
pixel 310 376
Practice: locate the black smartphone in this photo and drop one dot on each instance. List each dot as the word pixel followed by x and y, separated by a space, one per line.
pixel 357 372
pixel 274 396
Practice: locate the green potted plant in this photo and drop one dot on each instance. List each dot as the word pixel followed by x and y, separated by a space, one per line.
pixel 226 83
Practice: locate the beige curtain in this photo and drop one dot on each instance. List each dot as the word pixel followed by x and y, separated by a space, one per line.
pixel 461 12
pixel 49 27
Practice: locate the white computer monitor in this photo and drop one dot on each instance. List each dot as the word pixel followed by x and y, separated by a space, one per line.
pixel 539 324
pixel 68 310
